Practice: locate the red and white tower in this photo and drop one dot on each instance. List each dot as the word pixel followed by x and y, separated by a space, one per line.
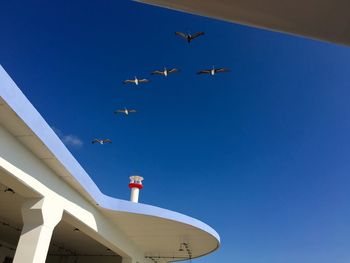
pixel 135 185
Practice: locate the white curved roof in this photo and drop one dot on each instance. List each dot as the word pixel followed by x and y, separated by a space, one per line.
pixel 156 231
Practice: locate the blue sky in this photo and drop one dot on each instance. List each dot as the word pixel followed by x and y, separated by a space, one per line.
pixel 262 154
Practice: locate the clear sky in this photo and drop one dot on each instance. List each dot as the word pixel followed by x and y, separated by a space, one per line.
pixel 262 154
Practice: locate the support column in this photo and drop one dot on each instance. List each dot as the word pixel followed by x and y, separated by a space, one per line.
pixel 40 216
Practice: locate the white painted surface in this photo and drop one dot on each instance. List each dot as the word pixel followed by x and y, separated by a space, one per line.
pixel 134 196
pixel 19 163
pixel 40 218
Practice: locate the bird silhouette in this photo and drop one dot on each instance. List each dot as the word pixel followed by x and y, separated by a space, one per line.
pixel 125 111
pixel 189 37
pixel 101 141
pixel 213 71
pixel 164 72
pixel 136 81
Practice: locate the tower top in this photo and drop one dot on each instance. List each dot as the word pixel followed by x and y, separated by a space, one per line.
pixel 136 182
pixel 136 178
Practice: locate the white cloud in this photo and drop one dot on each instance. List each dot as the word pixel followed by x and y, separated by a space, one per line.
pixel 71 139
pixel 68 139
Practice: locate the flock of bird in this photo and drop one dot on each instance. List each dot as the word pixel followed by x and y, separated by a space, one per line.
pixel 165 72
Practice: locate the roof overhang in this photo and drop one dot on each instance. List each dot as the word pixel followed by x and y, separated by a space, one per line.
pixel 326 20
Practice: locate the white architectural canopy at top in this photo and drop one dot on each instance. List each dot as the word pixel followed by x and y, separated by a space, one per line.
pixel 326 20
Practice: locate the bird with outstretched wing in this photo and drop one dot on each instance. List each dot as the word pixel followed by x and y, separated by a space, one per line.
pixel 204 71
pixel 129 81
pixel 101 141
pixel 218 70
pixel 189 37
pixel 213 71
pixel 136 81
pixel 125 111
pixel 165 72
pixel 144 80
pixel 157 72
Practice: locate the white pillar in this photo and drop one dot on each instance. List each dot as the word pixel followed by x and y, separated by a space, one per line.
pixel 134 195
pixel 40 216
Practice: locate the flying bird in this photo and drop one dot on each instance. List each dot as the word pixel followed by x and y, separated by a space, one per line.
pixel 101 141
pixel 136 81
pixel 165 72
pixel 213 71
pixel 125 111
pixel 189 37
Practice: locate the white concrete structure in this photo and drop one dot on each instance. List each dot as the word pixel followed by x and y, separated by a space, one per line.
pixel 326 20
pixel 51 211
